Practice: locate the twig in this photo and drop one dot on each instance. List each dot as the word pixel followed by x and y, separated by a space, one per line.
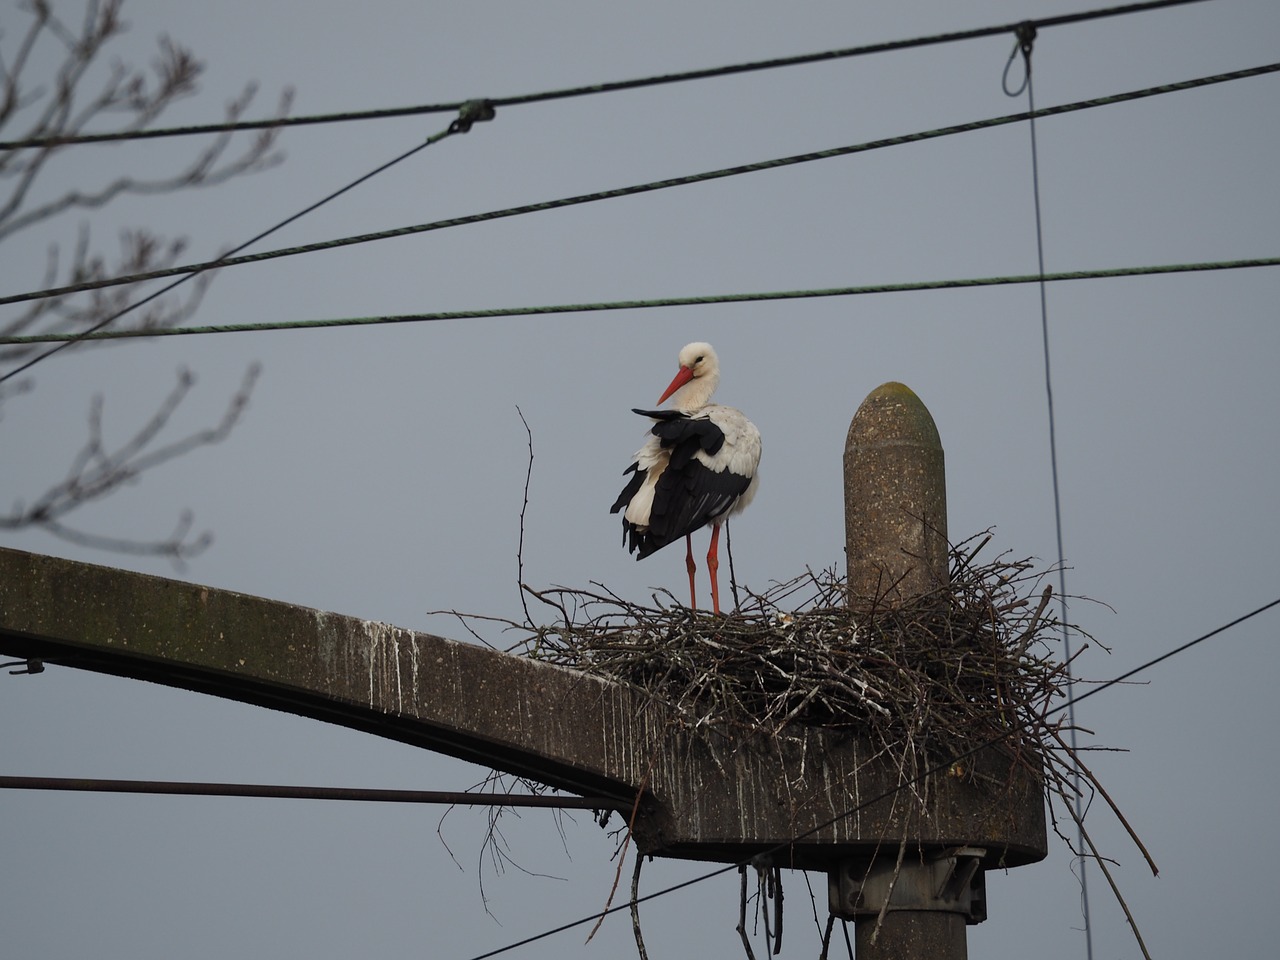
pixel 528 475
pixel 1097 785
pixel 635 907
pixel 764 878
pixel 96 471
pixel 1115 889
pixel 622 854
pixel 826 936
pixel 776 886
pixel 742 912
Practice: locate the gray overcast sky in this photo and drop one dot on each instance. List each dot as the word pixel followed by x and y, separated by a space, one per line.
pixel 379 471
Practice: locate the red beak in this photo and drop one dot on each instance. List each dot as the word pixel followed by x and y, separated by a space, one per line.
pixel 683 377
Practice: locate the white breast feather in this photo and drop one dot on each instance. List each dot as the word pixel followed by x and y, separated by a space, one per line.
pixel 652 460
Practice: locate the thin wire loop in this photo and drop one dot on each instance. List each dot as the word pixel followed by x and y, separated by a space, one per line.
pixel 1026 36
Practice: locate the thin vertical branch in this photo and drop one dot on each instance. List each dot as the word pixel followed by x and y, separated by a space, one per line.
pixel 742 913
pixel 635 907
pixel 524 506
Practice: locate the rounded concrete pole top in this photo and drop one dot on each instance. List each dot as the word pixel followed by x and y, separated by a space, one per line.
pixel 895 491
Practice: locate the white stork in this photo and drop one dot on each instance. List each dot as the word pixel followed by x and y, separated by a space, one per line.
pixel 698 467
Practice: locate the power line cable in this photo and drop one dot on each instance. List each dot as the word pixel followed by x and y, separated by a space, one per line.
pixel 1141 668
pixel 884 795
pixel 605 306
pixel 472 112
pixel 283 792
pixel 231 261
pixel 598 88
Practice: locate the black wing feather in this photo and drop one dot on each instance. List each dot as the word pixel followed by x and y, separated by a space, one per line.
pixel 684 435
pixel 688 499
pixel 661 414
pixel 688 495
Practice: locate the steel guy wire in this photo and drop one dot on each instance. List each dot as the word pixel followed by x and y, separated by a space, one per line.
pixel 607 87
pixel 285 792
pixel 1025 44
pixel 605 306
pixel 618 192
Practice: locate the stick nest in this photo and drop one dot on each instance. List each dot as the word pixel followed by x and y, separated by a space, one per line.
pixel 939 674
pixel 969 666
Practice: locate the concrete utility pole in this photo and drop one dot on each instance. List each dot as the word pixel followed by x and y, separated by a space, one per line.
pixel 697 794
pixel 896 544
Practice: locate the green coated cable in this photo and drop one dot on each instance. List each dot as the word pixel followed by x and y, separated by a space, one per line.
pixel 650 304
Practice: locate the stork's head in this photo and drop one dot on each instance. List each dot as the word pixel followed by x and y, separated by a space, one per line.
pixel 697 378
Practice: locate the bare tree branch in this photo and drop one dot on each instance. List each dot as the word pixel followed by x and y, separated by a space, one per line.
pixel 46 93
pixel 96 471
pixel 176 546
pixel 140 100
pixel 140 251
pixel 10 101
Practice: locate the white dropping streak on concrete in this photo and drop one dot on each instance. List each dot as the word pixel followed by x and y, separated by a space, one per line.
pixel 327 646
pixel 413 660
pixel 384 641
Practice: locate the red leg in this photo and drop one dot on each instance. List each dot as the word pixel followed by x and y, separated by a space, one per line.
pixel 713 564
pixel 692 568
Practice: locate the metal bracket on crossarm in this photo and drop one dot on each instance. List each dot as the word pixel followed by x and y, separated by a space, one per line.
pixel 950 881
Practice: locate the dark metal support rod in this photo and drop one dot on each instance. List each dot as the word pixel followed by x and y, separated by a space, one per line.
pixel 306 793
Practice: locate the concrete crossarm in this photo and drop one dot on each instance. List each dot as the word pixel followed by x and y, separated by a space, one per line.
pixel 704 796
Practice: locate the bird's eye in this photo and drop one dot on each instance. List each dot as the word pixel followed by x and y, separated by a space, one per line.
pixel 699 360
